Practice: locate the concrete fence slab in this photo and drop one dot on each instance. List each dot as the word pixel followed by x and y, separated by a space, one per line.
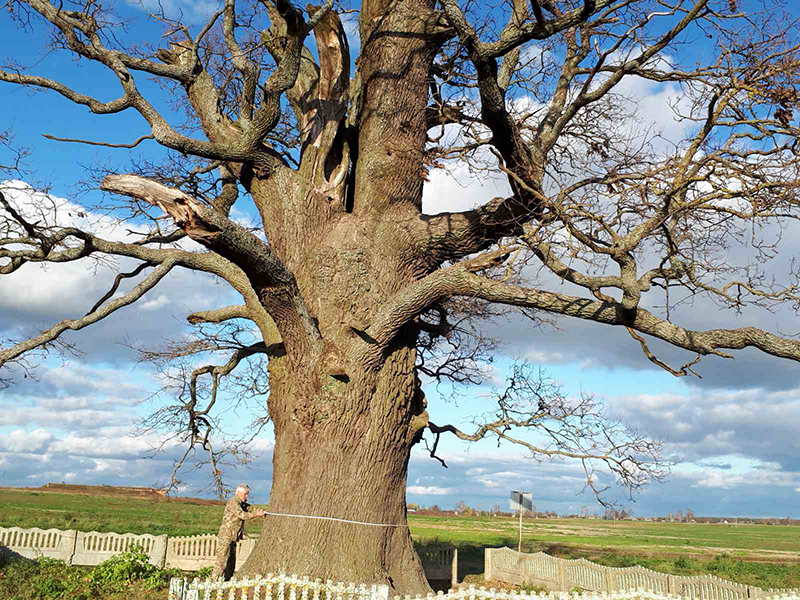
pixel 191 553
pixel 93 548
pixel 195 552
pixel 560 575
pixel 35 542
pixel 634 578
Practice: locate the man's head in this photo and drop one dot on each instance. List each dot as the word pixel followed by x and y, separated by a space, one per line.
pixel 242 491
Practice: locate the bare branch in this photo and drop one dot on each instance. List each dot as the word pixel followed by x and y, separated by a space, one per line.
pixel 532 403
pixel 117 280
pixel 92 317
pixel 133 144
pixel 682 372
pixel 97 107
pixel 219 315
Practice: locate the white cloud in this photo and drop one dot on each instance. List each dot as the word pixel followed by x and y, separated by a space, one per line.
pixel 60 419
pixel 511 474
pixel 545 358
pixel 20 440
pixel 763 478
pixel 154 303
pixel 430 490
pixel 490 483
pixel 477 471
pixel 704 424
pixel 101 446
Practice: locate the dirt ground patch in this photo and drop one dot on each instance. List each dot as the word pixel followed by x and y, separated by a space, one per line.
pixel 139 493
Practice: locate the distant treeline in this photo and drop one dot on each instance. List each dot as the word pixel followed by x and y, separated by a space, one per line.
pixel 609 514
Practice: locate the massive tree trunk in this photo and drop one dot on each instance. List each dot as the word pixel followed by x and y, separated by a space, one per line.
pixel 344 422
pixel 343 453
pixel 345 418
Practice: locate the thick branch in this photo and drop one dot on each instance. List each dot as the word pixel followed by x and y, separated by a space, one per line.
pixel 451 236
pixel 94 105
pixel 133 144
pixel 707 342
pixel 271 280
pixel 423 294
pixel 461 280
pixel 219 315
pixel 207 227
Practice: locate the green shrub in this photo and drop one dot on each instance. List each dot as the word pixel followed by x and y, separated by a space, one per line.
pixel 132 565
pixel 684 563
pixel 43 579
pixel 203 573
pixel 128 576
pixel 49 587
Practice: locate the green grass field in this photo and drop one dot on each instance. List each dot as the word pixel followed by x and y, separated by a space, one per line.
pixel 776 542
pixel 762 555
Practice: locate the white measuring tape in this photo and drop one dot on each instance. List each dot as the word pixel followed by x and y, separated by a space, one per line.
pixel 334 519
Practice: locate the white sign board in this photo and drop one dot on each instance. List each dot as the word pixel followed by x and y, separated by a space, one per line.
pixel 521 501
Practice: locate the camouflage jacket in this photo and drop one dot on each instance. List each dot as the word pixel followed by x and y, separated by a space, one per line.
pixel 236 513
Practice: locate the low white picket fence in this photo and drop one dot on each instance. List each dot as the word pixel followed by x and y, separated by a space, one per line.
pixel 292 587
pixel 274 587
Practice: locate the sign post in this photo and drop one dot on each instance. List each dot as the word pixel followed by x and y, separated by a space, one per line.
pixel 521 501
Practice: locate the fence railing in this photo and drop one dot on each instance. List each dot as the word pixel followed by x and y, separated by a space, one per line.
pixel 189 553
pixel 292 587
pixel 503 564
pixel 274 587
pixel 558 574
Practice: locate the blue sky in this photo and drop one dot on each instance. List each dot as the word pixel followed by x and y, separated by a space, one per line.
pixel 733 432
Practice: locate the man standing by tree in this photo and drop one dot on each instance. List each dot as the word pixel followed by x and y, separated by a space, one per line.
pixel 237 511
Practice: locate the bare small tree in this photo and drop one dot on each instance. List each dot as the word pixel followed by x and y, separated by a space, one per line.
pixel 354 293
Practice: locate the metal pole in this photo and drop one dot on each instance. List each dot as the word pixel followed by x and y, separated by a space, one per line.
pixel 519 544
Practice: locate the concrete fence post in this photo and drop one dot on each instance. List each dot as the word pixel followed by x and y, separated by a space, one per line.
pixel 158 555
pixel 562 575
pixel 487 564
pixel 454 569
pixel 609 580
pixel 70 540
pixel 672 585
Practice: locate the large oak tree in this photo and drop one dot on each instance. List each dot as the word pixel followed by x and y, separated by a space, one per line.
pixel 351 287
